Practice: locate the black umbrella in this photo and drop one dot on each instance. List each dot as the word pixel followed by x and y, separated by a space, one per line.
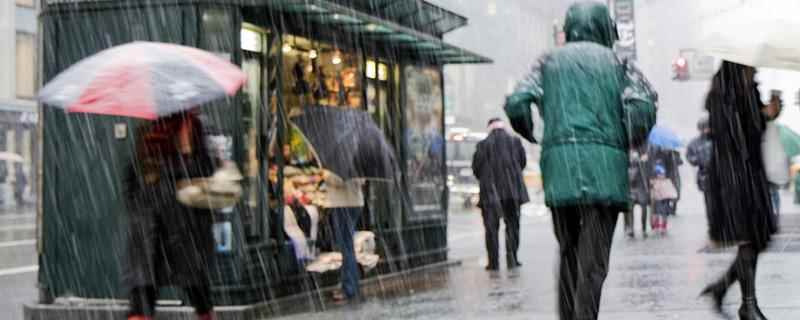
pixel 347 142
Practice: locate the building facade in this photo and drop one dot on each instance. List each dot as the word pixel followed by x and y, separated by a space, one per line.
pixel 18 116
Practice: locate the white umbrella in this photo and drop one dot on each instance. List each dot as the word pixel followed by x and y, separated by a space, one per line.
pixel 760 33
pixel 12 157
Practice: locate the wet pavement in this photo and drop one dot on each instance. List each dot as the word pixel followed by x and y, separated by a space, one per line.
pixel 658 277
pixel 653 278
pixel 18 263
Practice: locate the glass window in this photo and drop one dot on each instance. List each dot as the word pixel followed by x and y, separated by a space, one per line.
pixel 26 3
pixel 424 141
pixel 320 74
pixel 26 65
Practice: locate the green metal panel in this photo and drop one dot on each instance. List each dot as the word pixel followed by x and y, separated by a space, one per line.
pixel 84 216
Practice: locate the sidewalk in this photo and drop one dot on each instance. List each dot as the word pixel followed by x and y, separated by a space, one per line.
pixel 653 278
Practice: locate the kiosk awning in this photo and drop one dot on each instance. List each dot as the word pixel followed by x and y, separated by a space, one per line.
pixel 375 28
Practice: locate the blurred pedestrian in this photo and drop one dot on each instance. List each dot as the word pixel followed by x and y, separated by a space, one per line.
pixel 699 154
pixel 776 162
pixel 344 204
pixel 664 195
pixel 595 107
pixel 498 163
pixel 671 160
pixel 169 244
pixel 738 187
pixel 640 191
pixel 20 183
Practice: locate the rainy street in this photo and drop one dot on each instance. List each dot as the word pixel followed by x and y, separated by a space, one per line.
pixel 653 278
pixel 399 159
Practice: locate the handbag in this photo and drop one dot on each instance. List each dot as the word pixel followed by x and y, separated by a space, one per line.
pixel 221 190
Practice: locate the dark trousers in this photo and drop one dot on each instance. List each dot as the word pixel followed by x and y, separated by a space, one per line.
pixel 492 213
pixel 584 235
pixel 143 300
pixel 344 222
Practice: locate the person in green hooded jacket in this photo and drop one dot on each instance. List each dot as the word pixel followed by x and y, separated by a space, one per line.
pixel 595 107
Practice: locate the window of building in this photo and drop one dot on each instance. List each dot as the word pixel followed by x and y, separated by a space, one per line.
pixel 26 65
pixel 26 3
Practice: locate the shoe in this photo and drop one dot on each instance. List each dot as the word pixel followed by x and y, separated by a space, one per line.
pixel 716 291
pixel 492 268
pixel 750 311
pixel 514 264
pixel 630 234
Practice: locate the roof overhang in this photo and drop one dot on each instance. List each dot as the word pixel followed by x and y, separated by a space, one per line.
pixel 373 28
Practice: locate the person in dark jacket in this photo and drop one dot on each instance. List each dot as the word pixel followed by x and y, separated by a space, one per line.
pixel 737 182
pixel 498 163
pixel 640 191
pixel 699 153
pixel 595 108
pixel 169 244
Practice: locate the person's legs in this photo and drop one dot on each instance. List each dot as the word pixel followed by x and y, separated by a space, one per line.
pixel 644 219
pixel 566 226
pixel 746 262
pixel 775 196
pixel 491 224
pixel 594 250
pixel 511 215
pixel 200 298
pixel 628 216
pixel 142 303
pixel 344 224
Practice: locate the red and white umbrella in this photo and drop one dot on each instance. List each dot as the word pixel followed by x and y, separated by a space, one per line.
pixel 143 80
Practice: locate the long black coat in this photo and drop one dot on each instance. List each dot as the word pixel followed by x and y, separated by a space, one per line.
pixel 498 163
pixel 738 188
pixel 169 244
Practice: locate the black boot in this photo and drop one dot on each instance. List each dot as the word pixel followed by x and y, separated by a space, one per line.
pixel 747 259
pixel 716 291
pixel 750 311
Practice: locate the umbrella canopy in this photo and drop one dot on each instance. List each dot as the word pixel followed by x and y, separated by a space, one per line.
pixel 143 80
pixel 347 142
pixel 790 141
pixel 758 34
pixel 664 138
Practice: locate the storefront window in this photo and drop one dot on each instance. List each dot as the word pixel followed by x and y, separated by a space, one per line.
pixel 424 141
pixel 320 74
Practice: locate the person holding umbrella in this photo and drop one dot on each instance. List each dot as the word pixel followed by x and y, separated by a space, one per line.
pixel 737 182
pixel 170 241
pixel 595 108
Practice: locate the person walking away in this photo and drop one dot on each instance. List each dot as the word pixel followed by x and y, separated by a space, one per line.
pixel 671 161
pixel 344 204
pixel 699 153
pixel 169 244
pixel 20 183
pixel 498 163
pixel 595 108
pixel 640 192
pixel 738 185
pixel 776 161
pixel 664 195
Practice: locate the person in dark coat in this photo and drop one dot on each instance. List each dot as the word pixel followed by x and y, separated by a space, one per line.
pixel 169 244
pixel 737 182
pixel 699 153
pixel 595 107
pixel 498 163
pixel 640 191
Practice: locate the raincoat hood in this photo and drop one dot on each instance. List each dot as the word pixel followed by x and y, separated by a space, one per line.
pixel 590 21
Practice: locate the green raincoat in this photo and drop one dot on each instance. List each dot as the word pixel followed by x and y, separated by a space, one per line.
pixel 594 108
